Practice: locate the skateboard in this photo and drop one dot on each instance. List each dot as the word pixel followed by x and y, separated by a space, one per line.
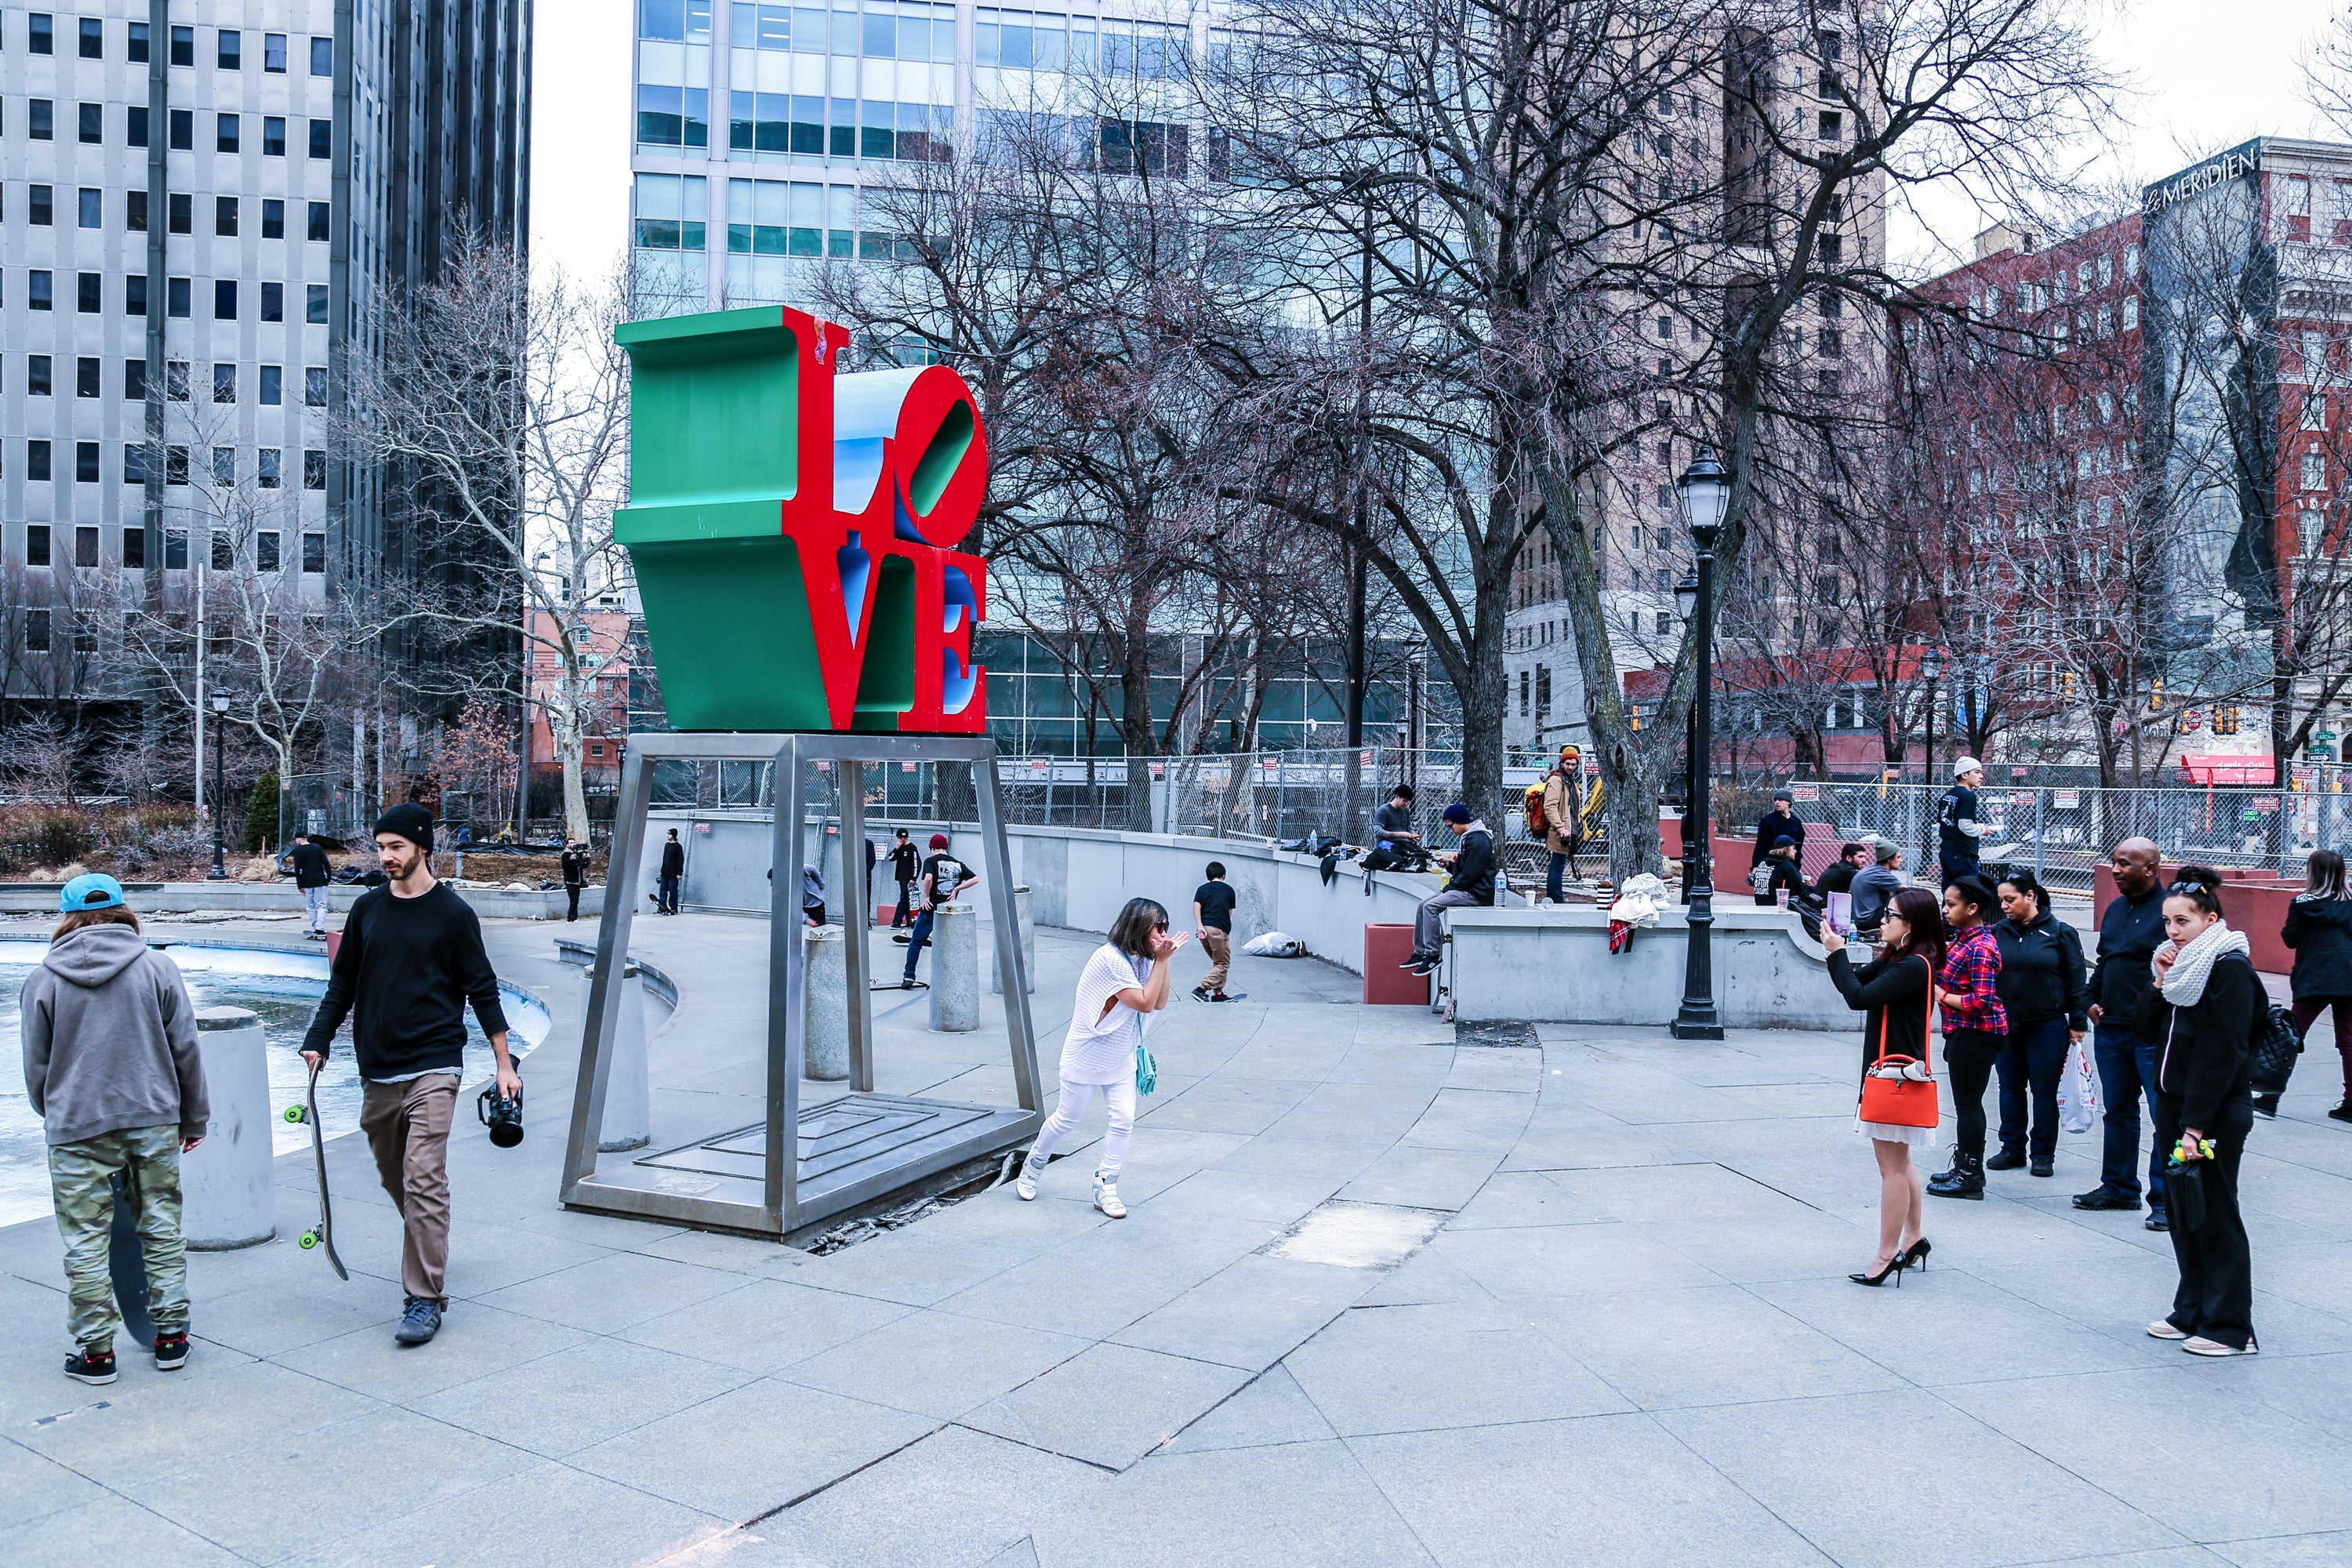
pixel 323 1233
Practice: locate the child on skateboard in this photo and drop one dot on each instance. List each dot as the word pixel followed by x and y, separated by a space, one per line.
pixel 111 1067
pixel 410 961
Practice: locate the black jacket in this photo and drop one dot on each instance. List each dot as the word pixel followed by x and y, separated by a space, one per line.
pixel 2204 1053
pixel 2320 932
pixel 1838 878
pixel 1784 876
pixel 575 868
pixel 1891 996
pixel 309 864
pixel 1774 825
pixel 1959 804
pixel 2042 973
pixel 2129 934
pixel 673 861
pixel 1474 866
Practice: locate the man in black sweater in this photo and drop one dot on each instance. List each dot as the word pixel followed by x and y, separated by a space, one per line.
pixel 411 958
pixel 575 876
pixel 1470 884
pixel 672 872
pixel 2129 934
pixel 311 874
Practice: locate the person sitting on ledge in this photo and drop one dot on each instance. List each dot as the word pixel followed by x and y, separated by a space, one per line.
pixel 1471 884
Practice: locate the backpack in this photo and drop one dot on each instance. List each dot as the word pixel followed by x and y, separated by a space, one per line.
pixel 1532 807
pixel 2275 1044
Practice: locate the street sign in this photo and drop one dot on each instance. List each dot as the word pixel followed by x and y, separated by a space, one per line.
pixel 1806 792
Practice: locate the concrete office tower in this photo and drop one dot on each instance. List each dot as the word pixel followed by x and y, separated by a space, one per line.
pixel 200 201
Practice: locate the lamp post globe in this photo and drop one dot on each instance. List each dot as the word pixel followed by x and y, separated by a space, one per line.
pixel 1705 495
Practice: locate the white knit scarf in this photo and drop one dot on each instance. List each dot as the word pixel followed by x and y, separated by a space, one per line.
pixel 2184 983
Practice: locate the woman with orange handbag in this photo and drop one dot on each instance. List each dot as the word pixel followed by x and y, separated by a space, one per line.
pixel 1894 994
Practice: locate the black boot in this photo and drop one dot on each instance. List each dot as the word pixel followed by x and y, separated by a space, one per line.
pixel 1964 1180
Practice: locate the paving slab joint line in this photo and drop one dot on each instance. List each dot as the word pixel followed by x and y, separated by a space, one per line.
pixel 1054 1453
pixel 827 1486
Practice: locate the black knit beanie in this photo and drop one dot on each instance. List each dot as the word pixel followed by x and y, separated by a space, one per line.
pixel 409 821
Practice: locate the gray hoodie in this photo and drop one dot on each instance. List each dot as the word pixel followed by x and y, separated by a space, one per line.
pixel 110 1038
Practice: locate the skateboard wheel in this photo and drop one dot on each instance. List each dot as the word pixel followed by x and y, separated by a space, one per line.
pixel 309 1240
pixel 294 1114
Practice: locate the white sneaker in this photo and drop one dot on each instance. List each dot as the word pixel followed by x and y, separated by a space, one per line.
pixel 1024 1185
pixel 1106 1199
pixel 2203 1346
pixel 2162 1329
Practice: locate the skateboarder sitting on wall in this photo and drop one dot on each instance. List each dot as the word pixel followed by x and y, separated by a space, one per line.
pixel 411 958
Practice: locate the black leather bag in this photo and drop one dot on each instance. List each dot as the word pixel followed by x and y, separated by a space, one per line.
pixel 2275 1046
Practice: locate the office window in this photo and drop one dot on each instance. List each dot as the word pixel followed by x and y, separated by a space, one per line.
pixel 88 376
pixel 41 35
pixel 40 205
pixel 134 293
pixel 265 551
pixel 314 304
pixel 267 472
pixel 175 381
pixel 273 218
pixel 41 119
pixel 175 548
pixel 36 376
pixel 273 386
pixel 314 386
pixel 224 383
pixel 36 290
pixel 176 292
pixel 314 553
pixel 223 551
pixel 670 211
pixel 686 20
pixel 182 129
pixel 89 292
pixel 176 468
pixel 137 52
pixel 273 301
pixel 134 381
pixel 224 465
pixel 93 39
pixel 179 209
pixel 322 56
pixel 134 211
pixel 134 548
pixel 322 138
pixel 37 544
pixel 225 214
pixel 92 121
pixel 93 209
pixel 232 50
pixel 36 460
pixel 183 46
pixel 1833 125
pixel 37 629
pixel 135 125
pixel 314 469
pixel 273 53
pixel 224 132
pixel 273 136
pixel 674 116
pixel 317 231
pixel 86 473
pixel 223 299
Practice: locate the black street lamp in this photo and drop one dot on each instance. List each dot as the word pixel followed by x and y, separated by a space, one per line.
pixel 220 701
pixel 1706 494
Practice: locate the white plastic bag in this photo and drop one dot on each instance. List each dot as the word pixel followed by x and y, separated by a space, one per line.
pixel 2078 1093
pixel 1275 945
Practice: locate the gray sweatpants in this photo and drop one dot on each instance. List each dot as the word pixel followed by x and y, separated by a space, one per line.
pixel 1424 924
pixel 314 905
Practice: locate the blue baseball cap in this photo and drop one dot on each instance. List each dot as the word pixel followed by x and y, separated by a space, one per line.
pixel 90 890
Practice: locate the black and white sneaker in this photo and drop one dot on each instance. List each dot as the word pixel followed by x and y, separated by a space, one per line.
pixel 171 1351
pixel 1424 966
pixel 90 1365
pixel 1201 993
pixel 420 1323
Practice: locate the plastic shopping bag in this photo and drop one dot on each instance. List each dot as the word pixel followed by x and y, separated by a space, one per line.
pixel 2078 1093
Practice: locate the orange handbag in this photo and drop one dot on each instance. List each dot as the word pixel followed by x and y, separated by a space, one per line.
pixel 1901 1101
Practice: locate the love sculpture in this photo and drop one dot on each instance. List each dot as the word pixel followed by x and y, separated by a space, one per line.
pixel 794 530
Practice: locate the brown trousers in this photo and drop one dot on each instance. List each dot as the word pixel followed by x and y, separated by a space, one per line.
pixel 407 1126
pixel 1219 946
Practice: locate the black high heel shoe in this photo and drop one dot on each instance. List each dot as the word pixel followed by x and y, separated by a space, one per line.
pixel 1915 1256
pixel 1894 1266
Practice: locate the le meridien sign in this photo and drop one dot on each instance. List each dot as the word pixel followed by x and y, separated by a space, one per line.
pixel 2219 170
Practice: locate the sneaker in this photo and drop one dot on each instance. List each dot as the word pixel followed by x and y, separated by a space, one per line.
pixel 2163 1330
pixel 2007 1159
pixel 1025 1187
pixel 908 983
pixel 90 1365
pixel 171 1351
pixel 2042 1168
pixel 1423 966
pixel 1107 1198
pixel 2343 1112
pixel 2107 1197
pixel 2201 1345
pixel 901 937
pixel 2156 1221
pixel 1416 962
pixel 1201 993
pixel 420 1323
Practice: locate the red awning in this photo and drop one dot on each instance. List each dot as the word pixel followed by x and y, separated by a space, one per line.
pixel 2230 770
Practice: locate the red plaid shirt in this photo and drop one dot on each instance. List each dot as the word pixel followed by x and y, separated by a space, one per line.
pixel 1971 970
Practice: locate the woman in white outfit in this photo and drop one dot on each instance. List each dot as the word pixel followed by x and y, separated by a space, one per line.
pixel 1105 1026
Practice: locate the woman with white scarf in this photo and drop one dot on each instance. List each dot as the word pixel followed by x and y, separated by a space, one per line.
pixel 1107 1022
pixel 2207 1003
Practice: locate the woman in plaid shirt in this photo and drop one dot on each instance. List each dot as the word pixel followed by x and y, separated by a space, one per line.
pixel 1976 1029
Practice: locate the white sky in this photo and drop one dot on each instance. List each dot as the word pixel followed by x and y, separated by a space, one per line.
pixel 2210 75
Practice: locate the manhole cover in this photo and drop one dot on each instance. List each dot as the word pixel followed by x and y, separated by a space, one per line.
pixel 1517 1035
pixel 1357 1235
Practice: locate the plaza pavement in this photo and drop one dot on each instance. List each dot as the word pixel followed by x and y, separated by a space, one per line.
pixel 1629 1340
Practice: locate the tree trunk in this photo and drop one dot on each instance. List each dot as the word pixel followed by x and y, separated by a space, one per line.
pixel 575 789
pixel 1135 726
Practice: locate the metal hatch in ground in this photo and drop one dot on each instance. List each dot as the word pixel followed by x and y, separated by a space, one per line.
pixel 849 1152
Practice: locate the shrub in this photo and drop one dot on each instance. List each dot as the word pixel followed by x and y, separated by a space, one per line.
pixel 261 815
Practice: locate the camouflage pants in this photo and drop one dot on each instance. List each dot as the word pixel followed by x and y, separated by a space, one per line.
pixel 148 1158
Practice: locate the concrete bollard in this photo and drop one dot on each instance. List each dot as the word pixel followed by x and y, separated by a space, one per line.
pixel 955 968
pixel 227 1197
pixel 1027 923
pixel 825 1005
pixel 628 1087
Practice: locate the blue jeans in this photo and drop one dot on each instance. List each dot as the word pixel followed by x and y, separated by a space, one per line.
pixel 1552 876
pixel 2127 1070
pixel 920 940
pixel 2033 1060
